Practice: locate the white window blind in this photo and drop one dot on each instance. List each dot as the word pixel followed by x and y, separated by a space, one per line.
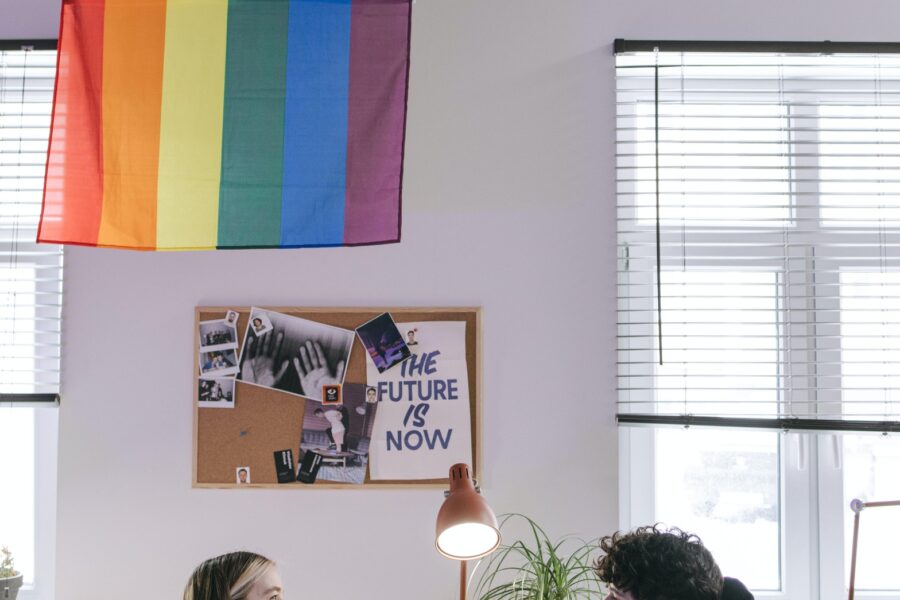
pixel 758 208
pixel 30 274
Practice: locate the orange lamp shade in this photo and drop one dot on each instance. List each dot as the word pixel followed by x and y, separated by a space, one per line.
pixel 466 526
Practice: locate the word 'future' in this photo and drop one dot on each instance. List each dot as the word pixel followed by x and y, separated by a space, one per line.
pixel 419 393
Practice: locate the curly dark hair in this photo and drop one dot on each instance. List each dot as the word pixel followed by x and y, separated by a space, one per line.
pixel 654 563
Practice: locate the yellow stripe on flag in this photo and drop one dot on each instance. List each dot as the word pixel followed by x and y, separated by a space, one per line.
pixel 190 147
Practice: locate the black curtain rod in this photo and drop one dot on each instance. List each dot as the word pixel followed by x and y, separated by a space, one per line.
pixel 782 424
pixel 29 44
pixel 825 47
pixel 29 400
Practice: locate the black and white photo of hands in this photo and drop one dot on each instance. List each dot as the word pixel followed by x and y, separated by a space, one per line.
pixel 297 356
pixel 259 360
pixel 313 369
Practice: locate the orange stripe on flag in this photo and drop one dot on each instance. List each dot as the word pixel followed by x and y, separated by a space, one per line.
pixel 134 37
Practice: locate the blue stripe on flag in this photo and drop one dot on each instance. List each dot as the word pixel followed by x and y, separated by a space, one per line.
pixel 315 123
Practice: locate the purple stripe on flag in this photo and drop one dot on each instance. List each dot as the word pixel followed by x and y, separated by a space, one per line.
pixel 376 123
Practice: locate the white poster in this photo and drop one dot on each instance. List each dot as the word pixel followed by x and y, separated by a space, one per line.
pixel 422 426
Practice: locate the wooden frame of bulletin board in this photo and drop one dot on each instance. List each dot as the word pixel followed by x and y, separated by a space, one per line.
pixel 264 421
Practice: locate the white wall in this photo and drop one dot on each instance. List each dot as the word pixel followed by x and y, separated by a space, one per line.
pixel 509 198
pixel 29 19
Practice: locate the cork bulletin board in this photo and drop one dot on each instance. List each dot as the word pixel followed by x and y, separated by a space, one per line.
pixel 264 421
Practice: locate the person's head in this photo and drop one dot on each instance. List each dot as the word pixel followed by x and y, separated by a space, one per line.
pixel 319 412
pixel 654 563
pixel 235 576
pixel 370 394
pixel 410 335
pixel 257 322
pixel 242 475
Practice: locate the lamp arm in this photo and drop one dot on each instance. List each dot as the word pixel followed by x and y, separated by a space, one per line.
pixel 474 482
pixel 857 506
pixel 884 503
pixel 853 554
pixel 462 580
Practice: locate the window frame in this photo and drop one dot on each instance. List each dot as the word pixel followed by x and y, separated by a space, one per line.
pixel 46 430
pixel 46 423
pixel 813 510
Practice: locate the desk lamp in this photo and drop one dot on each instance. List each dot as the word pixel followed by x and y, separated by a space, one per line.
pixel 466 525
pixel 857 506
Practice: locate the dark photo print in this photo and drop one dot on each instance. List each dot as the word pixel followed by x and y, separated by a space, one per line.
pixel 216 393
pixel 217 335
pixel 218 363
pixel 383 342
pixel 340 435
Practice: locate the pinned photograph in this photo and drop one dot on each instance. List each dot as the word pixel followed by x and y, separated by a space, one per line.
pixel 340 435
pixel 294 355
pixel 216 393
pixel 371 395
pixel 411 340
pixel 217 335
pixel 242 475
pixel 260 323
pixel 383 342
pixel 331 394
pixel 231 318
pixel 219 363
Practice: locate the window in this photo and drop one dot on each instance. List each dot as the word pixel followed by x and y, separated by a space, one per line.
pixel 758 211
pixel 30 306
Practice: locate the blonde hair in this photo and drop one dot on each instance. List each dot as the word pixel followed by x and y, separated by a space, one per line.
pixel 226 577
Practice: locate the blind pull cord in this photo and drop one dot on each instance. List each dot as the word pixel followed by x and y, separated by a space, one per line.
pixel 659 322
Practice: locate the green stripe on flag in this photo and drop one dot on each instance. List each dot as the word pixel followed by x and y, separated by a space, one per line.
pixel 253 124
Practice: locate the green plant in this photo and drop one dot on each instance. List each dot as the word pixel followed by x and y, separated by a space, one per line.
pixel 7 568
pixel 536 568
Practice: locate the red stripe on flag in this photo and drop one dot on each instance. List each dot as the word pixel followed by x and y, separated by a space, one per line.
pixel 73 187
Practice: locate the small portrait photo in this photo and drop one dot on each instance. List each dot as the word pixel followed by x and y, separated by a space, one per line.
pixel 231 318
pixel 383 342
pixel 411 340
pixel 295 355
pixel 218 363
pixel 260 323
pixel 371 395
pixel 242 475
pixel 217 335
pixel 331 394
pixel 216 393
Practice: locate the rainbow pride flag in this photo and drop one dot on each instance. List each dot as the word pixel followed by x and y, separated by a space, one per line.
pixel 202 124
